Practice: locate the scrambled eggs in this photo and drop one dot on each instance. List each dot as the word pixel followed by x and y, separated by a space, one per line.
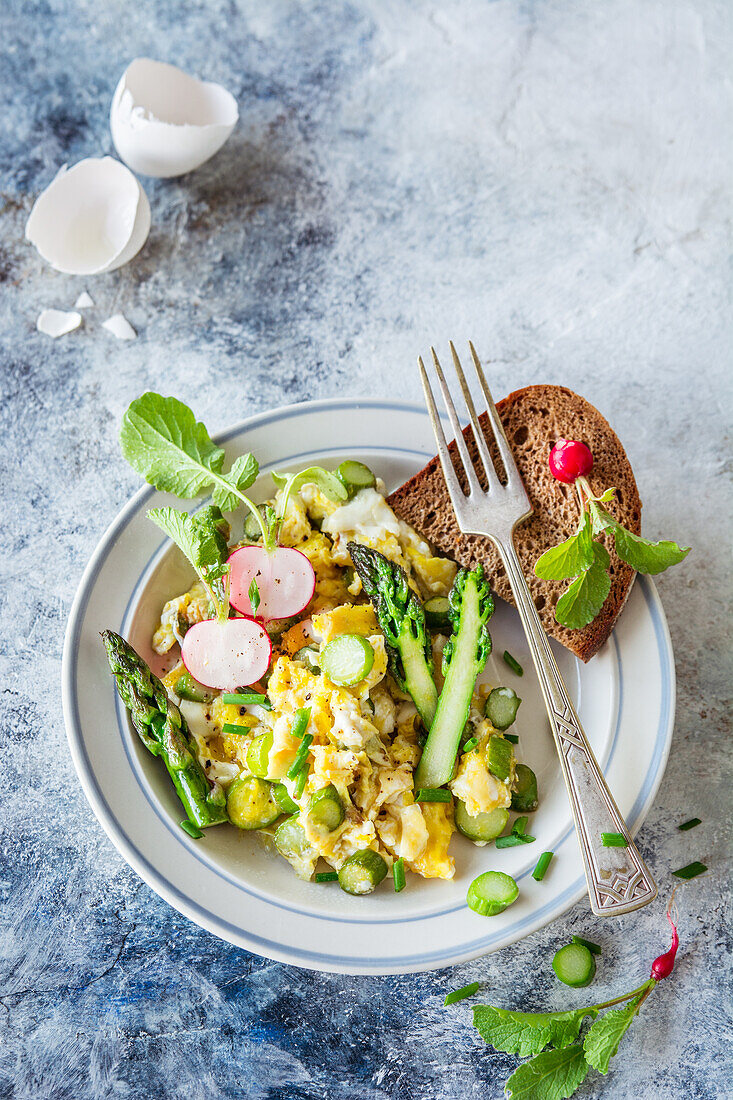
pixel 365 737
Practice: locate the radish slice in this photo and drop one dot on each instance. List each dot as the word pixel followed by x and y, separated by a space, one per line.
pixel 284 576
pixel 230 654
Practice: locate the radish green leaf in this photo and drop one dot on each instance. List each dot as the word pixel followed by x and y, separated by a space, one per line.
pixel 585 597
pixel 164 442
pixel 526 1033
pixel 202 536
pixel 570 558
pixel 553 1075
pixel 645 556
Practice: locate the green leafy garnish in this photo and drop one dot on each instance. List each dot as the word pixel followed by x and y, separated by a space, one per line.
pixel 585 597
pixel 645 556
pixel 203 537
pixel 553 1075
pixel 164 442
pixel 569 558
pixel 526 1033
pixel 604 1036
pixel 585 561
pixel 242 474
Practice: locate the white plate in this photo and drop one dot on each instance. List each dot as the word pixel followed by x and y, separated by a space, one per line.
pixel 227 882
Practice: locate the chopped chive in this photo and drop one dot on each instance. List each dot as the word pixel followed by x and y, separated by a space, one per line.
pixel 300 781
pixel 327 876
pixel 433 794
pixel 513 663
pixel 300 756
pixel 614 840
pixel 302 718
pixel 247 699
pixel 519 828
pixel 461 994
pixel 398 873
pixel 689 824
pixel 191 829
pixel 513 839
pixel 235 727
pixel 594 948
pixel 511 737
pixel 692 870
pixel 542 864
pixel 470 744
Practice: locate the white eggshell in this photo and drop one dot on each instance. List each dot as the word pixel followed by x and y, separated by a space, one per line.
pixel 84 301
pixel 91 218
pixel 165 123
pixel 57 322
pixel 120 327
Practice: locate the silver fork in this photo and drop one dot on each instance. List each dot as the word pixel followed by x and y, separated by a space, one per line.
pixel 618 879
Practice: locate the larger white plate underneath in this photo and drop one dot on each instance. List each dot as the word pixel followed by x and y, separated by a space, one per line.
pixel 227 882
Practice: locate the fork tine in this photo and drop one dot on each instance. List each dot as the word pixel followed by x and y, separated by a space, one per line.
pixel 454 486
pixel 483 450
pixel 512 473
pixel 473 482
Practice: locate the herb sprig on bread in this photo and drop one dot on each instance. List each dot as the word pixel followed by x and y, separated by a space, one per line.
pixel 582 558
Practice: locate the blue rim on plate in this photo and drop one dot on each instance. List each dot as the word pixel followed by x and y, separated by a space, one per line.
pixel 238 933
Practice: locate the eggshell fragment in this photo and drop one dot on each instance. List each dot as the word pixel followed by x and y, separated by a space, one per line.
pixel 57 322
pixel 84 301
pixel 92 218
pixel 120 327
pixel 165 123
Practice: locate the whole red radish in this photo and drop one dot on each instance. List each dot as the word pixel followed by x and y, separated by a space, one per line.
pixel 663 965
pixel 570 459
pixel 285 581
pixel 227 653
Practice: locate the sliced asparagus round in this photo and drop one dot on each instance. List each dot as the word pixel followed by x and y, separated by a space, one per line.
pixel 250 803
pixel 362 872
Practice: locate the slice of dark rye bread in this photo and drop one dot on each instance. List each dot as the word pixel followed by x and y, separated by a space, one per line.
pixel 534 418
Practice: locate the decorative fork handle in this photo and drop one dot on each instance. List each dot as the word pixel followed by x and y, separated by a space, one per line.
pixel 618 879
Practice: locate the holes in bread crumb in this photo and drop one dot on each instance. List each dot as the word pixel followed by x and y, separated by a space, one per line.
pixel 521 434
pixel 540 602
pixel 619 496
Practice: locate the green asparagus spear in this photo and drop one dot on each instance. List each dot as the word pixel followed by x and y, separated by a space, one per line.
pixel 464 657
pixel 402 621
pixel 163 730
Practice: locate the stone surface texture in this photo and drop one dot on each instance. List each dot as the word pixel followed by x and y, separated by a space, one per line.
pixel 548 177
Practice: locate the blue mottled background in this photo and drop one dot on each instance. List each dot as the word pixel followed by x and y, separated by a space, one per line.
pixel 550 178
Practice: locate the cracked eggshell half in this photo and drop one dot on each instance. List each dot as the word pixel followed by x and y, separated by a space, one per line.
pixel 91 218
pixel 166 123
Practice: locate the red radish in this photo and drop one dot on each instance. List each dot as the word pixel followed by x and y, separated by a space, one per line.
pixel 226 654
pixel 285 581
pixel 662 967
pixel 570 459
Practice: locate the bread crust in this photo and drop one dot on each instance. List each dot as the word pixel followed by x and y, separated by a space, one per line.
pixel 534 418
